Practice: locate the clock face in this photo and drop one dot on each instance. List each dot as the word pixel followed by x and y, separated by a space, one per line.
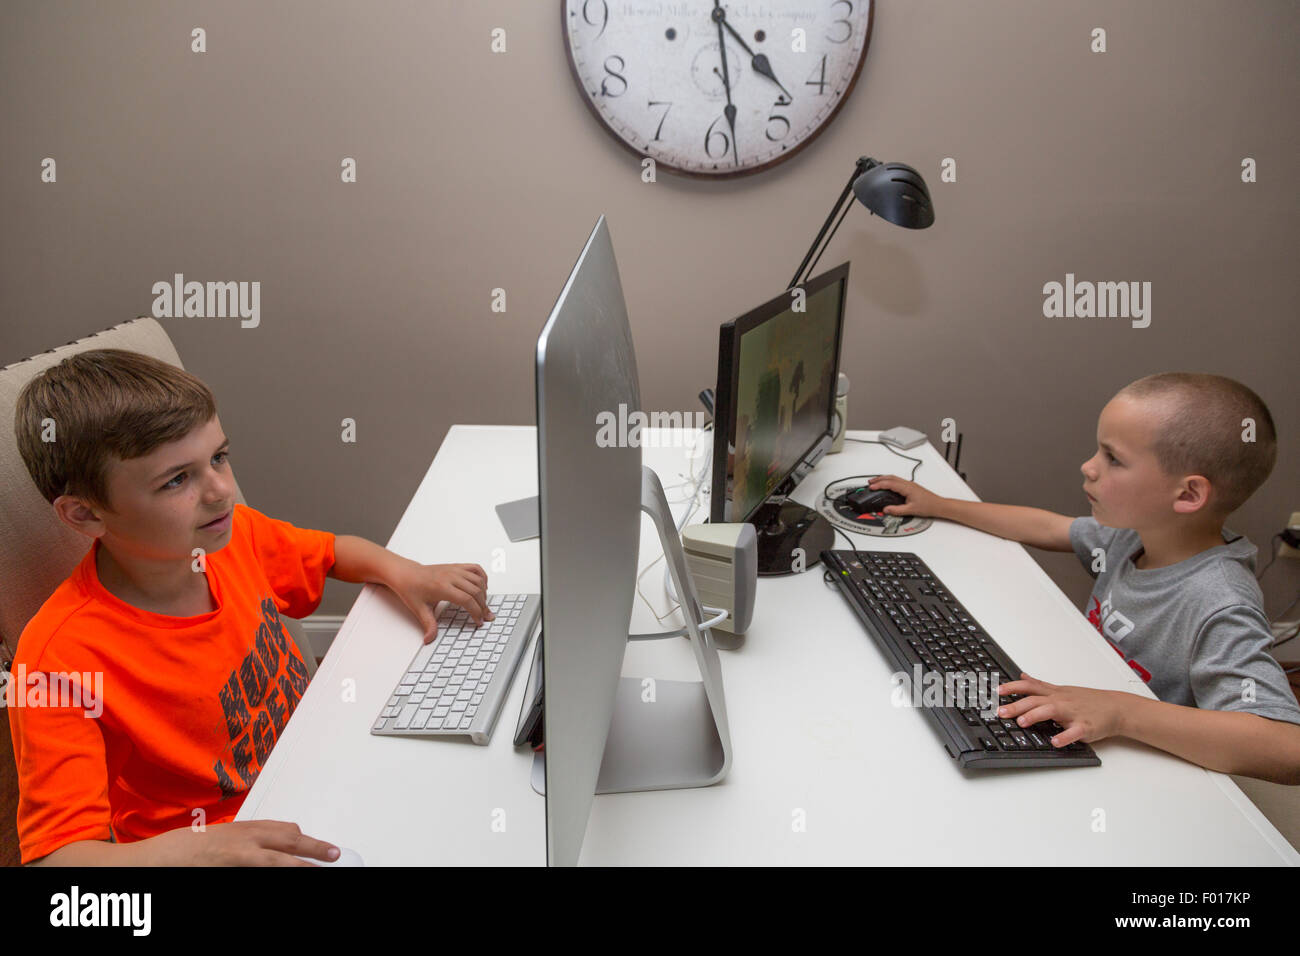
pixel 714 88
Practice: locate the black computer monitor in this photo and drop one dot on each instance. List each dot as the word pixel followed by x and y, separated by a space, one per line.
pixel 773 418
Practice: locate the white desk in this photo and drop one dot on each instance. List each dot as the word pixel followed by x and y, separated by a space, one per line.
pixel 814 732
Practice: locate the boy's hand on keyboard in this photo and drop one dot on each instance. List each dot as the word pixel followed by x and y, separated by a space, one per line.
pixel 919 501
pixel 425 585
pixel 1086 714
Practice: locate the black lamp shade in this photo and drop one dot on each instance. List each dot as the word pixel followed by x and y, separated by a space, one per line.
pixel 896 192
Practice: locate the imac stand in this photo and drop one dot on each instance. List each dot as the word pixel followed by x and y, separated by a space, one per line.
pixel 665 735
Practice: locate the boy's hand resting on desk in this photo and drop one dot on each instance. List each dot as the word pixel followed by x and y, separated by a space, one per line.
pixel 249 843
pixel 422 586
pixel 920 502
pixel 1086 714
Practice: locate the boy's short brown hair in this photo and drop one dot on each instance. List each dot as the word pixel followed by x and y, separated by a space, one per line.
pixel 1201 431
pixel 103 403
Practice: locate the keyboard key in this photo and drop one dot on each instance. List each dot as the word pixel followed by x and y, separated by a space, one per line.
pixel 407 715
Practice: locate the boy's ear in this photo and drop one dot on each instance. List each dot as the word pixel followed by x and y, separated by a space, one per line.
pixel 1194 495
pixel 79 515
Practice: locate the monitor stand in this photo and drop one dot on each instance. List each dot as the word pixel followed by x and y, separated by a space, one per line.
pixel 791 536
pixel 665 734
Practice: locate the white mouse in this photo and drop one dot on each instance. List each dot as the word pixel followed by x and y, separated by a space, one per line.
pixel 346 858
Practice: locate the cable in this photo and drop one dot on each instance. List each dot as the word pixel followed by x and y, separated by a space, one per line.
pixel 720 615
pixel 658 617
pixel 699 486
pixel 696 481
pixel 826 576
pixel 850 541
pixel 1287 608
pixel 1278 640
pixel 1274 548
pixel 1289 637
pixel 869 441
pixel 872 441
pixel 838 480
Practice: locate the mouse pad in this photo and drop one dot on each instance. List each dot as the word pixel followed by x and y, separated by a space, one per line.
pixel 521 518
pixel 839 513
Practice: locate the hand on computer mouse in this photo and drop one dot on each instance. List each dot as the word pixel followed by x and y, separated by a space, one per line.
pixel 242 843
pixel 919 501
pixel 422 586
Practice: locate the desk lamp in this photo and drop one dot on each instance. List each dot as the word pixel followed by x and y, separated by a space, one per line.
pixel 893 191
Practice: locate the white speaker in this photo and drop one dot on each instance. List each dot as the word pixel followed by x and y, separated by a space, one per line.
pixel 723 561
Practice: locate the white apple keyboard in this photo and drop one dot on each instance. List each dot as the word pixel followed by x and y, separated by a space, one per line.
pixel 457 683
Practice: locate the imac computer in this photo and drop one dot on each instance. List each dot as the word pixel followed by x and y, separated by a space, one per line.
pixel 774 417
pixel 598 734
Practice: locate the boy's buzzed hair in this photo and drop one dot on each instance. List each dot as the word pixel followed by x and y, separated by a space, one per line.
pixel 1201 433
pixel 103 402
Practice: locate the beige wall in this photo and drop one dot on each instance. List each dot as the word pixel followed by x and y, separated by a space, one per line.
pixel 479 171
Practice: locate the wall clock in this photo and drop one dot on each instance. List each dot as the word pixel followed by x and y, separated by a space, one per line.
pixel 711 88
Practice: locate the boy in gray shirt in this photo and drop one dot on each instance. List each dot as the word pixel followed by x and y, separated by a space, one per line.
pixel 1175 592
pixel 1193 630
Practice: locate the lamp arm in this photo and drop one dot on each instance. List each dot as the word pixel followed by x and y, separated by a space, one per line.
pixel 863 164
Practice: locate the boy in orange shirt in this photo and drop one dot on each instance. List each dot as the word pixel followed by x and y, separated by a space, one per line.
pixel 174 617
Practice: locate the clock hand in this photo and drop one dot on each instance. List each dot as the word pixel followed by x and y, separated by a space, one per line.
pixel 759 61
pixel 719 15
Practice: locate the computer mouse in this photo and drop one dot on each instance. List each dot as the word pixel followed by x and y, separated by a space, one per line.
pixel 346 858
pixel 866 500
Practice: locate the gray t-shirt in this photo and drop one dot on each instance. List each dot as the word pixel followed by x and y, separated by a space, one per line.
pixel 1195 631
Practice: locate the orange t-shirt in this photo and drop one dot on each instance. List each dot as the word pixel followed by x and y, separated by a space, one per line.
pixel 191 706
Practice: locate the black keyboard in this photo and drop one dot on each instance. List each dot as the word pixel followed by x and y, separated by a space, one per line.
pixel 917 622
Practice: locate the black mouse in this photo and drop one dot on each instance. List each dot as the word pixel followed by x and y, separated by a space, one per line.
pixel 866 500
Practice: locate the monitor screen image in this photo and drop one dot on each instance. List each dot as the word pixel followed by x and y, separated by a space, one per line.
pixel 784 394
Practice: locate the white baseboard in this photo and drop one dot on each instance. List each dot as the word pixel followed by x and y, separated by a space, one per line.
pixel 320 630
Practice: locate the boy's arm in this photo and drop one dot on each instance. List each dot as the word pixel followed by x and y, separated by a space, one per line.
pixel 98 853
pixel 246 843
pixel 1229 741
pixel 421 587
pixel 1032 526
pixel 358 561
pixel 1035 527
pixel 1222 740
